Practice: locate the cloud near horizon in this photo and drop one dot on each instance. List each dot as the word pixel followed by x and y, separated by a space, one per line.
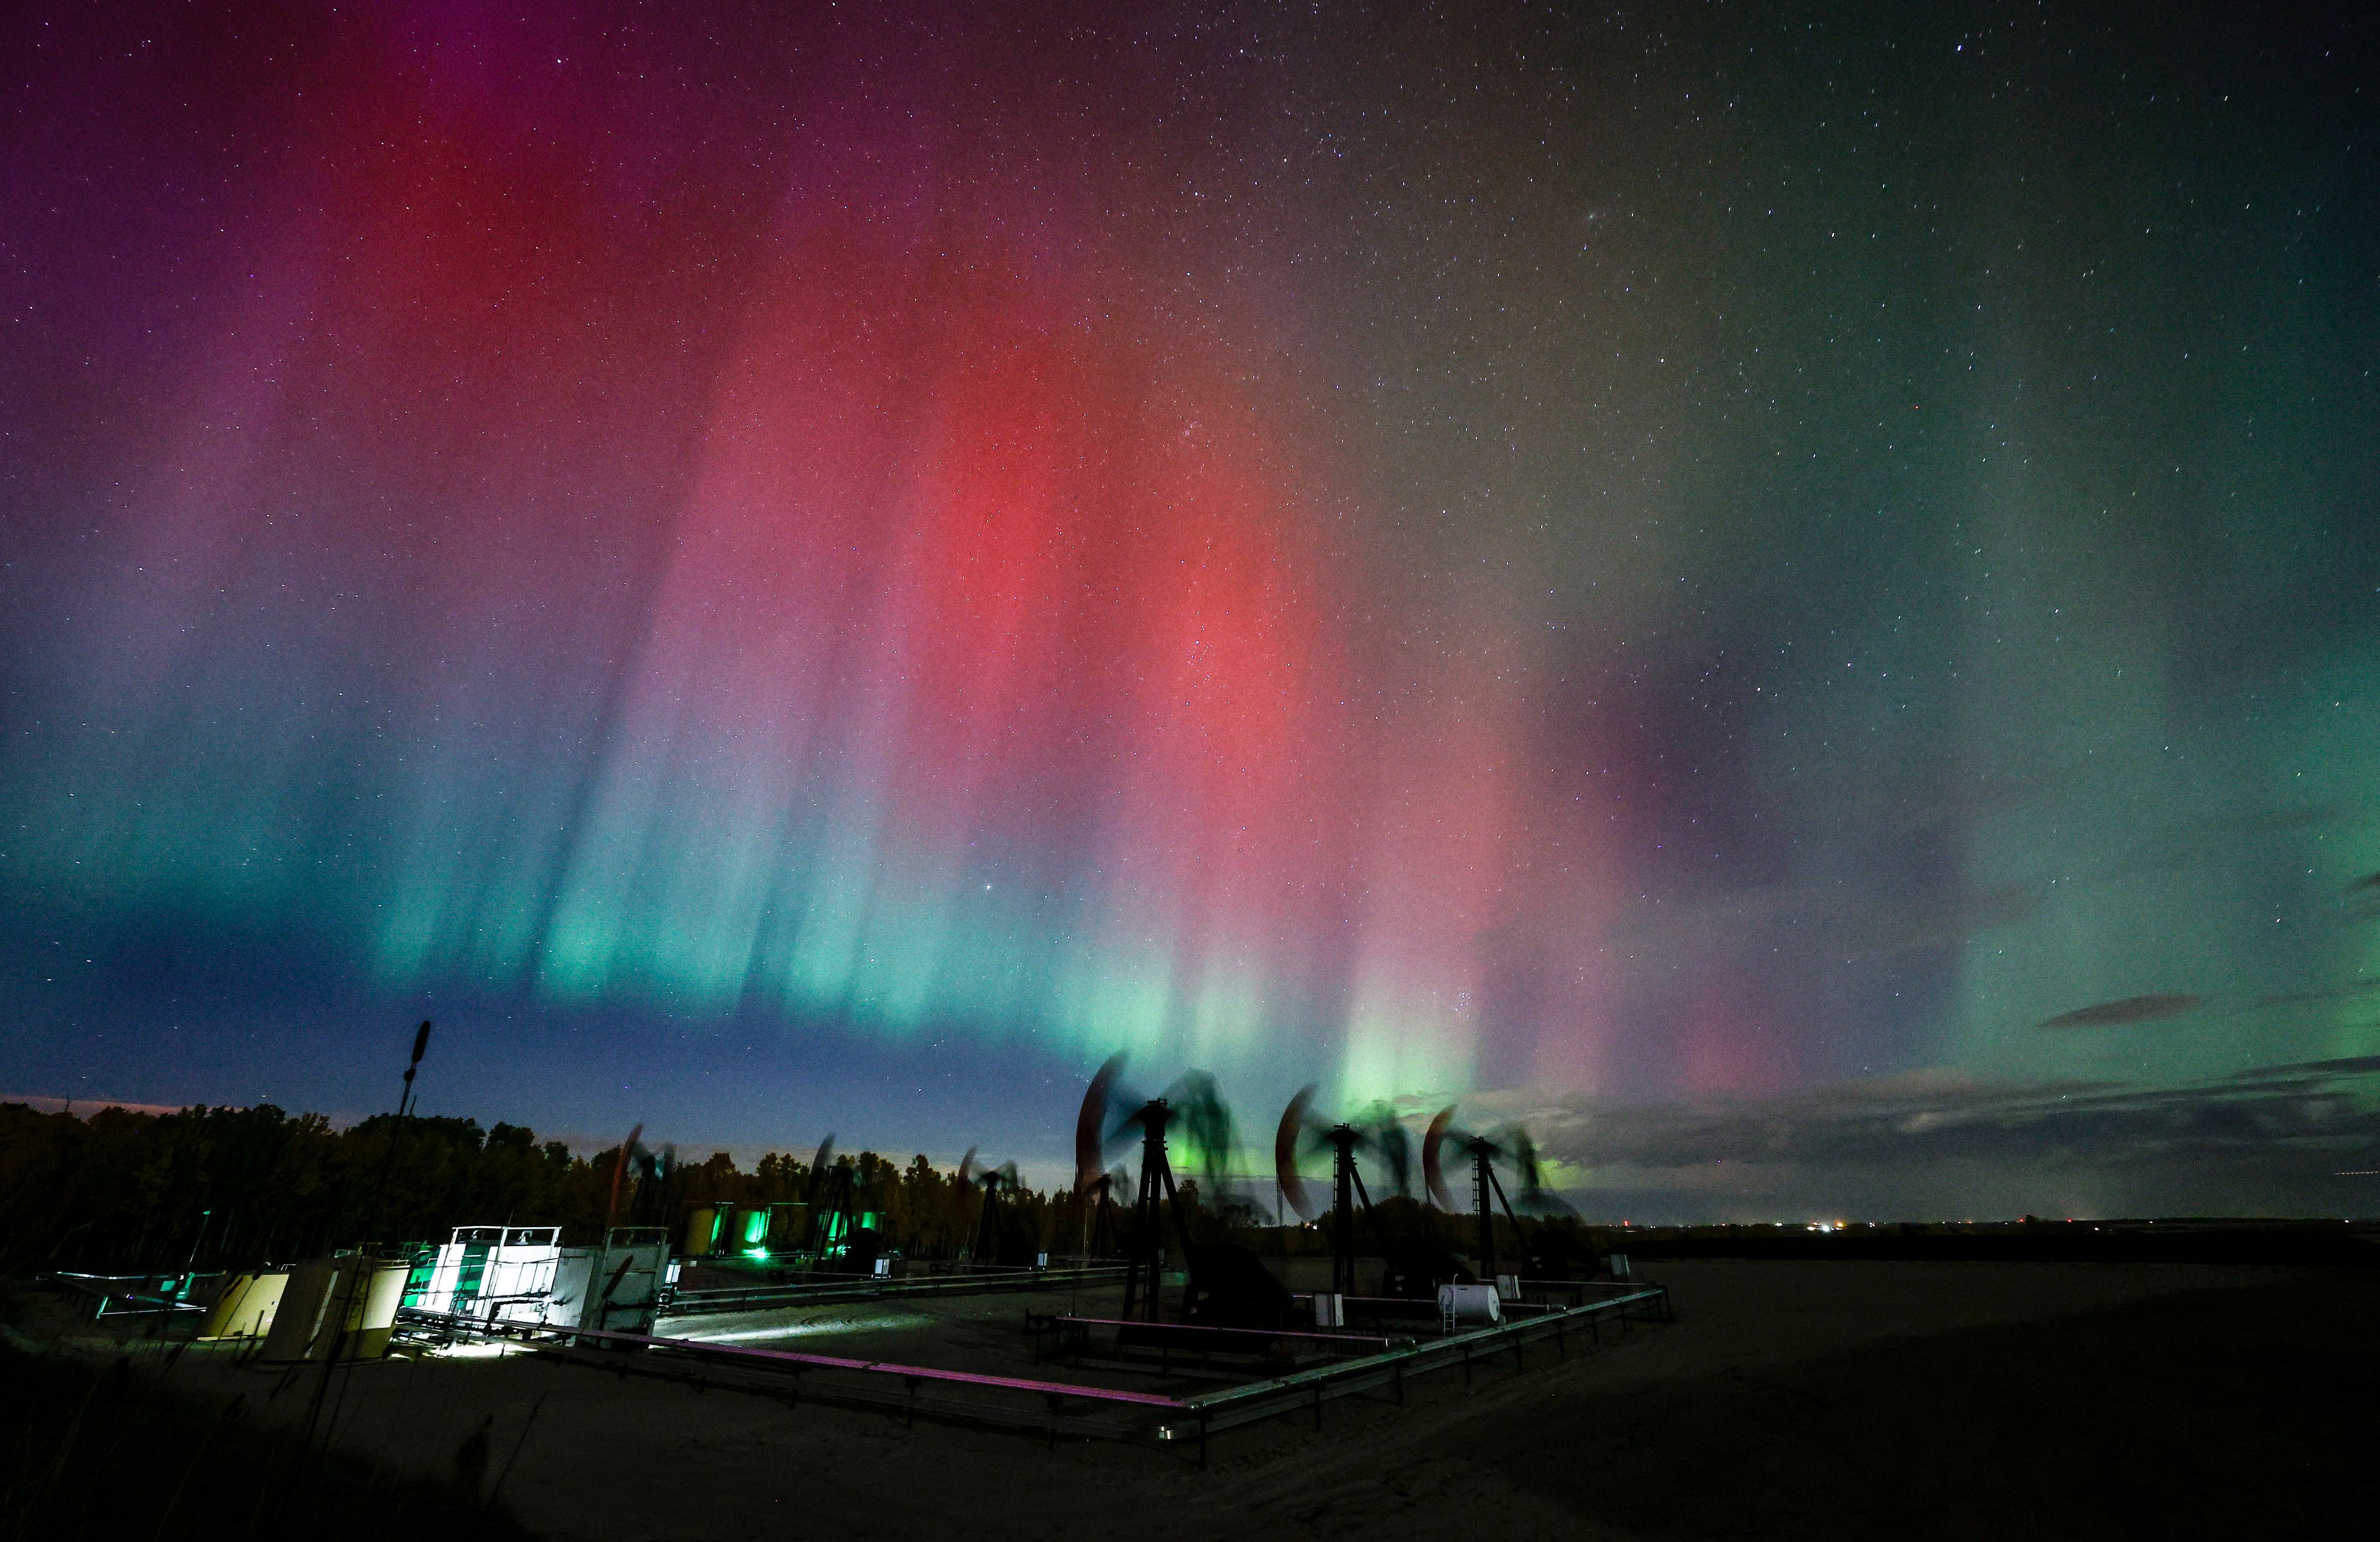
pixel 1948 1144
pixel 2132 1009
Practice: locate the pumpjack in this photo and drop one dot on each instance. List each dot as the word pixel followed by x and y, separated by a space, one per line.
pixel 991 1231
pixel 834 1232
pixel 1226 1285
pixel 1416 1266
pixel 1511 1148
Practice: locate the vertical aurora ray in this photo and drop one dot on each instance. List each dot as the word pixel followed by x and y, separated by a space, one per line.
pixel 985 680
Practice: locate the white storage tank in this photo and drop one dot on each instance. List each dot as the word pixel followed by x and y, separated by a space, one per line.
pixel 1469 1306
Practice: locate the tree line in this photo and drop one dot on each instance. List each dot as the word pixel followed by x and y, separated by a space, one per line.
pixel 119 1192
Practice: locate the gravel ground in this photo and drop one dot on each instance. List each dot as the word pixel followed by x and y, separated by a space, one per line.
pixel 1790 1399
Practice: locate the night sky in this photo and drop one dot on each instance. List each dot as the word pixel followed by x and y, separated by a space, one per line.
pixel 1791 593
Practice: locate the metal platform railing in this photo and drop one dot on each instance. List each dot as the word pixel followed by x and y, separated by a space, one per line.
pixel 1098 1412
pixel 130 1294
pixel 1074 1336
pixel 1301 1391
pixel 1016 1402
pixel 749 1298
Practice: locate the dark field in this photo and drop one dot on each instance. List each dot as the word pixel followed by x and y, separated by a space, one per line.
pixel 1790 1399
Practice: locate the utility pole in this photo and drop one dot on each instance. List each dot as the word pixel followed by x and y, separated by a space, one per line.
pixel 363 1270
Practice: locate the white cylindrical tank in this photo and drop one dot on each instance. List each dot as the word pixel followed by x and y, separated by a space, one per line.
pixel 1469 1306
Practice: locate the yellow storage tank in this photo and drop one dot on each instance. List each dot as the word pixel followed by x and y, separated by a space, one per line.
pixel 375 1317
pixel 302 1326
pixel 245 1307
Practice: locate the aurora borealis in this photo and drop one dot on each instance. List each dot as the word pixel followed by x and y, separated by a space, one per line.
pixel 782 566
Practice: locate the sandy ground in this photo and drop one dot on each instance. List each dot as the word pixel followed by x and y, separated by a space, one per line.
pixel 1836 1400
